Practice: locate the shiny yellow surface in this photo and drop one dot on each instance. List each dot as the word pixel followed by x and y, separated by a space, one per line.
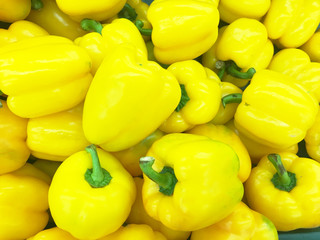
pixel 242 224
pixel 51 18
pixel 292 22
pixel 224 134
pixel 84 211
pixel 14 10
pixel 312 139
pixel 44 75
pixel 204 94
pixel 312 47
pixel 296 63
pixel 23 202
pixel 13 148
pixel 298 208
pixel 275 110
pixel 128 99
pixel 54 233
pixel 206 170
pixel 58 134
pixel 182 30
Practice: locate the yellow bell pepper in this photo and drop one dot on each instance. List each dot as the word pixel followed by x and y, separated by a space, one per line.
pixel 231 10
pixel 48 167
pixel 200 96
pixel 20 30
pixel 292 22
pixel 138 215
pixel 195 20
pixel 224 134
pixel 129 98
pixel 312 47
pixel 243 224
pixel 275 110
pixel 185 178
pixel 57 136
pixel 296 63
pixel 23 202
pixel 56 22
pixel 91 197
pixel 312 139
pixel 14 152
pixel 54 233
pixel 44 75
pixel 130 157
pixel 286 189
pixel 14 10
pixel 98 10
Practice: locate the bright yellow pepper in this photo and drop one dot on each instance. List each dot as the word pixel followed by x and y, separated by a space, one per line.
pixel 312 47
pixel 91 197
pixel 185 178
pixel 286 189
pixel 14 152
pixel 14 10
pixel 129 98
pixel 296 63
pixel 57 136
pixel 292 22
pixel 56 22
pixel 138 215
pixel 275 110
pixel 46 166
pixel 44 75
pixel 242 224
pixel 312 139
pixel 224 134
pixel 200 96
pixel 54 233
pixel 195 20
pixel 23 202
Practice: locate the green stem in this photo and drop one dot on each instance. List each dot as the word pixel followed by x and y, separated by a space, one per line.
pixel 91 25
pixel 221 66
pixel 283 179
pixel 234 71
pixel 1 104
pixel 97 177
pixel 36 4
pixel 146 32
pixel 166 179
pixel 128 12
pixel 231 98
pixel 184 98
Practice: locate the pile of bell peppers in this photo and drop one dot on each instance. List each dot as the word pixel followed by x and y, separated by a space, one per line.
pixel 176 119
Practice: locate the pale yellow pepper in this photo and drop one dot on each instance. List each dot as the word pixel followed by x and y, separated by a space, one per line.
pixel 312 47
pixel 54 233
pixel 312 139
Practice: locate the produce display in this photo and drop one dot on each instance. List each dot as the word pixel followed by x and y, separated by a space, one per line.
pixel 159 120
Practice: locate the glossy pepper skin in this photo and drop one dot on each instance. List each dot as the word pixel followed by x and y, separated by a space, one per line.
pixel 53 234
pixel 297 207
pixel 312 47
pixel 312 139
pixel 121 99
pixel 200 16
pixel 24 66
pixel 23 202
pixel 296 63
pixel 200 100
pixel 14 152
pixel 104 204
pixel 197 182
pixel 14 10
pixel 57 136
pixel 275 110
pixel 292 22
pixel 56 22
pixel 243 223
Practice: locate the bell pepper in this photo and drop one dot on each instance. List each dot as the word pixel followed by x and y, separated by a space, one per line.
pixel 195 20
pixel 286 189
pixel 312 139
pixel 242 223
pixel 231 10
pixel 312 47
pixel 296 63
pixel 200 96
pixel 185 178
pixel 20 30
pixel 130 157
pixel 98 10
pixel 48 167
pixel 291 23
pixel 25 64
pixel 224 134
pixel 91 194
pixel 14 152
pixel 23 202
pixel 56 22
pixel 138 215
pixel 57 136
pixel 14 10
pixel 53 234
pixel 121 99
pixel 275 110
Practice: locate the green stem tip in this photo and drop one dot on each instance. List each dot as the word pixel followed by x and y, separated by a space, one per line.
pixel 184 98
pixel 231 98
pixel 91 25
pixel 128 12
pixel 36 4
pixel 146 32
pixel 234 71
